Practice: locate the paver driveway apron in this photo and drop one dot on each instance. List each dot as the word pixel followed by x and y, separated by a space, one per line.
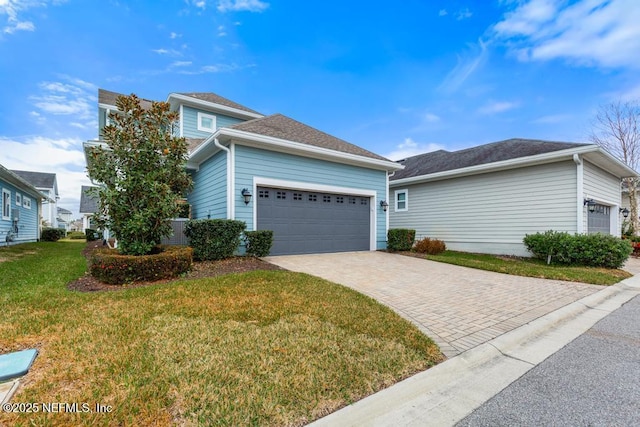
pixel 458 307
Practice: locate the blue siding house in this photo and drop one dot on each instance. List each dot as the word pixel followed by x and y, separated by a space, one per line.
pixel 21 209
pixel 318 193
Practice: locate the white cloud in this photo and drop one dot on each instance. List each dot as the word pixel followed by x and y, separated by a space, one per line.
pixel 242 5
pixel 443 12
pixel 216 68
pixel 495 107
pixel 59 98
pixel 14 10
pixel 181 63
pixel 174 35
pixel 431 118
pixel 410 148
pixel 61 156
pixel 602 33
pixel 553 119
pixel 467 64
pixel 463 14
pixel 221 31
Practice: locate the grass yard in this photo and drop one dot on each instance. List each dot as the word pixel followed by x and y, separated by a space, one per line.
pixel 258 348
pixel 532 268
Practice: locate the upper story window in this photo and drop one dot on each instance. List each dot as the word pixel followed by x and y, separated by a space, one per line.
pixel 402 200
pixel 18 199
pixel 6 204
pixel 26 202
pixel 206 122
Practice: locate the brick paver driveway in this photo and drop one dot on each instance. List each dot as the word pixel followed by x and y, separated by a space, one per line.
pixel 458 307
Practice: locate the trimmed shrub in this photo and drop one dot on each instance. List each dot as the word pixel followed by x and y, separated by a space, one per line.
pixel 400 239
pixel 91 234
pixel 109 266
pixel 430 246
pixel 76 235
pixel 52 234
pixel 258 242
pixel 592 250
pixel 214 239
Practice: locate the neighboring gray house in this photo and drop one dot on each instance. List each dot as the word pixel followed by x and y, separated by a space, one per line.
pixel 47 184
pixel 65 218
pixel 487 198
pixel 88 207
pixel 318 193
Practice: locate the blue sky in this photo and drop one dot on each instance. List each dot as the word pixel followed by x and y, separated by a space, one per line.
pixel 396 78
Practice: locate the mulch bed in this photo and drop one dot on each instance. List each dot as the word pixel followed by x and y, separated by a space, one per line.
pixel 201 269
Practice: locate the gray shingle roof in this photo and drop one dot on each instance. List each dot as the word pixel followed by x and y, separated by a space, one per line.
pixel 193 143
pixel 38 179
pixel 109 98
pixel 217 99
pixel 282 127
pixel 441 161
pixel 63 211
pixel 88 204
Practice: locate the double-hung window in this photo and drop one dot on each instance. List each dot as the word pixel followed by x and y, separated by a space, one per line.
pixel 6 204
pixel 402 200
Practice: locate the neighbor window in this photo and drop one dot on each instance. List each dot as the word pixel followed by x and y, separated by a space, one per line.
pixel 206 122
pixel 26 202
pixel 6 204
pixel 402 200
pixel 18 199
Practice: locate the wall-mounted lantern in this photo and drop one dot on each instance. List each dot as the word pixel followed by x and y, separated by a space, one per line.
pixel 246 194
pixel 591 205
pixel 384 205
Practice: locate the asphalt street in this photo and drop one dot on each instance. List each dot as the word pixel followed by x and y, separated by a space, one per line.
pixel 592 381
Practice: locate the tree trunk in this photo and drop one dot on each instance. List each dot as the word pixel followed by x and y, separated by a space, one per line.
pixel 632 185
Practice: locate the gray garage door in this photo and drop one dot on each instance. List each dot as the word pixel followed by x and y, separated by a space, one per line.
pixel 599 221
pixel 306 222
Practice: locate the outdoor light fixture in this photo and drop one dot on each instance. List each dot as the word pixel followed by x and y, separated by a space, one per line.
pixel 384 205
pixel 591 204
pixel 625 212
pixel 247 195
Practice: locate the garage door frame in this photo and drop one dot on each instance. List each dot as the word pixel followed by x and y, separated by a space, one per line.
pixel 319 188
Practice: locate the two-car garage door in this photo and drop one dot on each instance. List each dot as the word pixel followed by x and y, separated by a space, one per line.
pixel 311 222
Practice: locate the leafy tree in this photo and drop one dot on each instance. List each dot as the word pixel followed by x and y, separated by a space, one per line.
pixel 141 167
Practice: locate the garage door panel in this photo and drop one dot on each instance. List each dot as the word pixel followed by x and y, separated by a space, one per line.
pixel 309 222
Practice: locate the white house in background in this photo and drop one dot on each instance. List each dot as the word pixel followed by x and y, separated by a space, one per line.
pixel 65 218
pixel 88 207
pixel 47 184
pixel 487 198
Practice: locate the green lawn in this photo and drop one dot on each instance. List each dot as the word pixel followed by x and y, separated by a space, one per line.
pixel 532 268
pixel 258 348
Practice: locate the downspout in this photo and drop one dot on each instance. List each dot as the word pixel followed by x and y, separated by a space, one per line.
pixel 579 193
pixel 389 175
pixel 229 176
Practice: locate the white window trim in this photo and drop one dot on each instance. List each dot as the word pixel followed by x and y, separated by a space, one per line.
pixel 26 202
pixel 406 200
pixel 208 116
pixel 18 199
pixel 4 204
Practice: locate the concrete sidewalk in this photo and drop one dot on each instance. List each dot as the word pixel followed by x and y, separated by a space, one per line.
pixel 446 393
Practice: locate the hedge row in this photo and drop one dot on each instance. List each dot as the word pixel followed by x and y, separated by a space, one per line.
pixel 593 250
pixel 400 239
pixel 52 234
pixel 214 239
pixel 109 266
pixel 258 243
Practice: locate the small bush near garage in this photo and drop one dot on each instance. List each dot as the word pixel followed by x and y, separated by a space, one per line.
pixel 400 239
pixel 91 234
pixel 76 235
pixel 593 250
pixel 430 246
pixel 52 234
pixel 214 239
pixel 109 266
pixel 258 242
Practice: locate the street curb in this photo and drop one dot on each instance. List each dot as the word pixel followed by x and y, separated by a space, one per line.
pixel 448 392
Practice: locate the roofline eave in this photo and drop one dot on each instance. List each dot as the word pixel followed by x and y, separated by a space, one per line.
pixel 195 102
pixel 623 170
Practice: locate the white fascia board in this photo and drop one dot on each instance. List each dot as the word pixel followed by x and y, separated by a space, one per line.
pixel 539 159
pixel 297 148
pixel 107 107
pixel 22 185
pixel 235 112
